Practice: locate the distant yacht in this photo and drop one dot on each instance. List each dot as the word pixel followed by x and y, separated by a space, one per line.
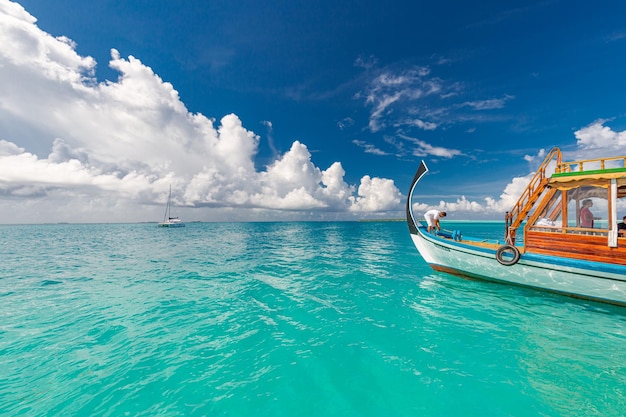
pixel 168 220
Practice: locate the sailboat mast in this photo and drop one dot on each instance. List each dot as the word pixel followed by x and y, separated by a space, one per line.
pixel 167 206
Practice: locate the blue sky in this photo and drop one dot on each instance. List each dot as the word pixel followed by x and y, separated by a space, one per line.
pixel 269 110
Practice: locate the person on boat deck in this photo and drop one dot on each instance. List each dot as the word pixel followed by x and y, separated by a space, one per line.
pixel 432 219
pixel 586 216
pixel 621 227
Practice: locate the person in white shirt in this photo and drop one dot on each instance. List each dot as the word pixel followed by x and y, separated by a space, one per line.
pixel 432 219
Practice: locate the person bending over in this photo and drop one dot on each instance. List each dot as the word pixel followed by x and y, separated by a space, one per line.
pixel 432 219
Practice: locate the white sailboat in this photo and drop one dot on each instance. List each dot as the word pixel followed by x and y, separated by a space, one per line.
pixel 168 220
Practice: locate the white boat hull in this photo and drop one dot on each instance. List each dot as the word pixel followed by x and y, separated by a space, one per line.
pixel 171 224
pixel 581 279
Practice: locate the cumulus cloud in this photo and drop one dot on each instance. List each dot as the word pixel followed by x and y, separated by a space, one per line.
pixel 488 208
pixel 541 154
pixel 596 136
pixel 375 194
pixel 80 149
pixel 509 196
pixel 461 205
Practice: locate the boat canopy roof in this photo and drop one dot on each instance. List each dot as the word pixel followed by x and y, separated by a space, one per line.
pixel 601 179
pixel 590 173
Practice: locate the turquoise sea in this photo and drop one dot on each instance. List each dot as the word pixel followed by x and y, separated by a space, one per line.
pixel 286 319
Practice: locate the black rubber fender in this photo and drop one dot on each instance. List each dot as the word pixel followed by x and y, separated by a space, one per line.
pixel 512 250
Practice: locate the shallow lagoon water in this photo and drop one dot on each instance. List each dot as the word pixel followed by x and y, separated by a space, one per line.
pixel 286 319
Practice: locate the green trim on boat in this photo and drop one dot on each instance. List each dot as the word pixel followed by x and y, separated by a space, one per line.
pixel 591 172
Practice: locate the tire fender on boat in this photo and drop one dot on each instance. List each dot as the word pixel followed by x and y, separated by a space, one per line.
pixel 508 260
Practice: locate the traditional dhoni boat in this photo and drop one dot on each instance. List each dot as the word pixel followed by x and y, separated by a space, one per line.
pixel 549 243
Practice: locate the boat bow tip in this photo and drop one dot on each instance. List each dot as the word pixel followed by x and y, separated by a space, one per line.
pixel 421 170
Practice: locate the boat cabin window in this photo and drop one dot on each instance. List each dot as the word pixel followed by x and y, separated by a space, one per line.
pixel 582 210
pixel 550 217
pixel 588 208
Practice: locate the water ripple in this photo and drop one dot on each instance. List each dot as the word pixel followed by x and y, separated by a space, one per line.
pixel 285 319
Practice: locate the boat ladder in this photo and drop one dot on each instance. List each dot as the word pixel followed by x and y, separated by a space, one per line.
pixel 536 186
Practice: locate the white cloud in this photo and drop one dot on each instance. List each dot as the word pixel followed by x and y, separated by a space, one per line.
pixel 366 62
pixel 369 148
pixel 421 124
pixel 415 147
pixel 75 149
pixel 509 196
pixel 422 149
pixel 9 148
pixel 415 98
pixel 462 206
pixel 496 103
pixel 345 123
pixel 541 154
pixel 380 106
pixel 389 88
pixel 489 208
pixel 376 194
pixel 597 136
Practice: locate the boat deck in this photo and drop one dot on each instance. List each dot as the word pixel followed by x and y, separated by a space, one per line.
pixel 487 244
pixel 483 244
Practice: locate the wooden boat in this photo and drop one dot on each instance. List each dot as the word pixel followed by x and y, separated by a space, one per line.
pixel 545 245
pixel 168 220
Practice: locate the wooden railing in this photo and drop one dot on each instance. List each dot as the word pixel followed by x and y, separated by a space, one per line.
pixel 515 217
pixel 564 167
pixel 589 247
pixel 570 230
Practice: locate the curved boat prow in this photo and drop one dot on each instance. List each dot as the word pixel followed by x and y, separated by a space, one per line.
pixel 410 219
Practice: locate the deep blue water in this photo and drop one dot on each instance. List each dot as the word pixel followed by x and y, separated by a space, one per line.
pixel 286 319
